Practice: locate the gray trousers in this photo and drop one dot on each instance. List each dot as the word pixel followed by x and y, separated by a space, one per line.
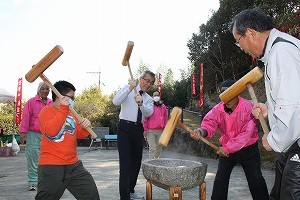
pixel 55 179
pixel 32 152
pixel 154 147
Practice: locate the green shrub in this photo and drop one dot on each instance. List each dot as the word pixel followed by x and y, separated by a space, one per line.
pixel 7 124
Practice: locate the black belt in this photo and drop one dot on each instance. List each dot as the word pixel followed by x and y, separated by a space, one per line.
pixel 130 122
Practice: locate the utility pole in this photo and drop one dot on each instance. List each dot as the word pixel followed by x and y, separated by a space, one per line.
pixel 99 72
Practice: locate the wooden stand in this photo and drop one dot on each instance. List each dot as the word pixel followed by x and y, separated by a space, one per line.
pixel 202 191
pixel 148 191
pixel 176 192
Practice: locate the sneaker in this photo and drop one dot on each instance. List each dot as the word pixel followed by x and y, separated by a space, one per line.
pixel 135 196
pixel 32 188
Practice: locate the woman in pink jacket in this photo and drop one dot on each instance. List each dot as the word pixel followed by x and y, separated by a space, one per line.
pixel 154 125
pixel 239 135
pixel 30 129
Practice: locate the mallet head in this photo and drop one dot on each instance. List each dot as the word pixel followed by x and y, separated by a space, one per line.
pixel 239 86
pixel 43 64
pixel 127 53
pixel 170 126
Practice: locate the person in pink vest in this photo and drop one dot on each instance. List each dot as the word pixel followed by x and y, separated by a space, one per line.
pixel 154 126
pixel 239 140
pixel 30 129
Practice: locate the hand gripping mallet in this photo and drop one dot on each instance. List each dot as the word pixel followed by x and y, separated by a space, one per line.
pixel 238 87
pixel 125 61
pixel 170 126
pixel 37 71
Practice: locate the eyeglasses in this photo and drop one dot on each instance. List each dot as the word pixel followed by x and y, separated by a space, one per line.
pixel 71 97
pixel 238 41
pixel 148 81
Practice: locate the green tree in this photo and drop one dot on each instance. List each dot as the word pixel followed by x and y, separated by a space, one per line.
pixel 7 118
pixel 169 77
pixel 141 68
pixel 168 87
pixel 92 105
pixel 111 115
pixel 182 90
pixel 214 46
pixel 285 14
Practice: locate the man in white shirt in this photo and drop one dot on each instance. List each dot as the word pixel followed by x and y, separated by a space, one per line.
pixel 134 109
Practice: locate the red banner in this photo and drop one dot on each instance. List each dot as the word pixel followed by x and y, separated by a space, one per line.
pixel 200 103
pixel 19 102
pixel 159 85
pixel 193 84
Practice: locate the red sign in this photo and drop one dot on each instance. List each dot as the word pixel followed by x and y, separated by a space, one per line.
pixel 159 85
pixel 193 84
pixel 200 103
pixel 19 102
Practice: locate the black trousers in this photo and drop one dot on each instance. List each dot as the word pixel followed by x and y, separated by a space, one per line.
pixel 130 147
pixel 287 175
pixel 55 179
pixel 249 158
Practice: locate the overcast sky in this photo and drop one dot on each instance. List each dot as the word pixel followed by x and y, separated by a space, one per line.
pixel 94 36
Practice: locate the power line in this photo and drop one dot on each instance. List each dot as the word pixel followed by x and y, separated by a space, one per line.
pixel 99 73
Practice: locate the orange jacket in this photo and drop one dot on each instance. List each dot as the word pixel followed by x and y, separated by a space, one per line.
pixel 60 132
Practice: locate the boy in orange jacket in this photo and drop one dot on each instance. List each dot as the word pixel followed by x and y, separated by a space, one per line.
pixel 59 167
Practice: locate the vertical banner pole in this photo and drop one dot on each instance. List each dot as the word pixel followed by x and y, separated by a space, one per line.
pixel 159 85
pixel 193 84
pixel 201 86
pixel 18 104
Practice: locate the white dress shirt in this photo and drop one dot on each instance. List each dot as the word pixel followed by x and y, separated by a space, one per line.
pixel 129 107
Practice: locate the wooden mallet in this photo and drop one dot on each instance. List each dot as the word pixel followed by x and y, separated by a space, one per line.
pixel 37 71
pixel 125 61
pixel 238 87
pixel 170 127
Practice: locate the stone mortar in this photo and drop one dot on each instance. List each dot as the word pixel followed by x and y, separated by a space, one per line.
pixel 166 173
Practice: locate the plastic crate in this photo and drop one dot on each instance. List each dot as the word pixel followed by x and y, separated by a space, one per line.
pixel 5 151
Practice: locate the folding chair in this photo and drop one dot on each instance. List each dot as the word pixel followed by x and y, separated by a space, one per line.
pixel 96 143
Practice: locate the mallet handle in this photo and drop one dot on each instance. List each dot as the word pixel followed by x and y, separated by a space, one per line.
pixel 261 118
pixel 131 76
pixel 184 127
pixel 79 118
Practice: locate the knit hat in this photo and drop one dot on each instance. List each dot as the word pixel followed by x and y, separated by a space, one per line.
pixel 41 84
pixel 227 83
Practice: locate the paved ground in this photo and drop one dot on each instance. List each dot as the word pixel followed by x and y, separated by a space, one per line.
pixel 103 165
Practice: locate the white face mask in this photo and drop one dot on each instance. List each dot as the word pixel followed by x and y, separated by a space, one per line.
pixel 156 98
pixel 72 103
